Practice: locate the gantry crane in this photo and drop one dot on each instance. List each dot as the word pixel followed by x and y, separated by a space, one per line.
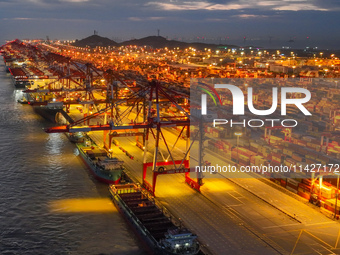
pixel 153 125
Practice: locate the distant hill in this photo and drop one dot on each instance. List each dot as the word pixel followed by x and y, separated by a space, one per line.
pixel 95 40
pixel 155 42
pixel 161 42
pixel 151 41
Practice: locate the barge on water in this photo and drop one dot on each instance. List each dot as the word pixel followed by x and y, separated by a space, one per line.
pixel 157 230
pixel 103 167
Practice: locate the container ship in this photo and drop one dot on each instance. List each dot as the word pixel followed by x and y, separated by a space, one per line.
pixel 48 111
pixel 159 233
pixel 104 168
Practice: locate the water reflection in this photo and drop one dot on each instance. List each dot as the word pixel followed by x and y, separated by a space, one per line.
pixel 17 94
pixel 83 205
pixel 55 143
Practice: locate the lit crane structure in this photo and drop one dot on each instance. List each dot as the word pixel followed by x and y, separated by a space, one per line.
pixel 286 130
pixel 73 76
pixel 152 126
pixel 75 79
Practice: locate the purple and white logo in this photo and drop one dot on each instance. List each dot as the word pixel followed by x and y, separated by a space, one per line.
pixel 239 101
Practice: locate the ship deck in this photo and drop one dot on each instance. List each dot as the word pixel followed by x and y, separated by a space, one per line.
pixel 148 213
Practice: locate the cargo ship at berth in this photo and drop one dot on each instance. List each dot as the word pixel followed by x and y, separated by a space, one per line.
pixel 104 168
pixel 160 234
pixel 49 111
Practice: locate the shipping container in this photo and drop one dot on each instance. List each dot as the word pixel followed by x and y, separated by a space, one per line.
pixel 291 189
pixel 283 182
pixel 298 157
pixel 277 157
pixel 330 205
pixel 288 152
pixel 304 194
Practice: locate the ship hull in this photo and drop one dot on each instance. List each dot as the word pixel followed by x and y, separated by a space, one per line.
pixel 75 139
pixel 142 236
pixel 20 84
pixel 153 246
pixel 113 179
pixel 47 113
pixel 149 244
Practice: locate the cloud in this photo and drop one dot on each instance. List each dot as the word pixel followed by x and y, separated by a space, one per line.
pixel 74 1
pixel 148 18
pixel 299 7
pixel 183 5
pixel 191 6
pixel 328 4
pixel 174 6
pixel 24 19
pixel 47 19
pixel 214 5
pixel 157 18
pixel 216 20
pixel 135 19
pixel 57 1
pixel 250 16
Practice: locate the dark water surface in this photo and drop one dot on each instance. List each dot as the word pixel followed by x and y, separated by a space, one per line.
pixel 38 169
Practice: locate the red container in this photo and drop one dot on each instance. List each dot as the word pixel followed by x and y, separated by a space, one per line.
pixel 277 181
pixel 305 187
pixel 308 182
pixel 304 195
pixel 283 183
pixel 234 155
pixel 290 185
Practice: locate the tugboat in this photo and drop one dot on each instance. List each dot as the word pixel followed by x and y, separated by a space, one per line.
pixel 160 234
pixel 103 167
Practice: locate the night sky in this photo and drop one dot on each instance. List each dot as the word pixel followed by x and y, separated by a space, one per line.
pixel 262 22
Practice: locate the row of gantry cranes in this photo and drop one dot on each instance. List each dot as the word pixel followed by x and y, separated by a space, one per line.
pixel 104 93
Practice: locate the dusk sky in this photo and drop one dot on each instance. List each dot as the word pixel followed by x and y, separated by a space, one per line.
pixel 314 22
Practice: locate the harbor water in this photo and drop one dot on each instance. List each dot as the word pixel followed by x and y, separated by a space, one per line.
pixel 49 202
